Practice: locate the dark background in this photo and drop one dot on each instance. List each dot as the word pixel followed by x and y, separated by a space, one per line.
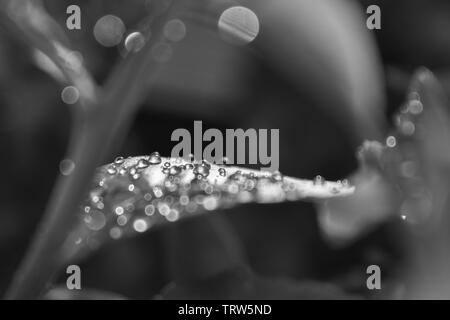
pixel 274 241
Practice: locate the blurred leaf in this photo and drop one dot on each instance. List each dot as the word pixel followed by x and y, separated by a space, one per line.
pixel 324 48
pixel 374 201
pixel 62 293
pixel 242 284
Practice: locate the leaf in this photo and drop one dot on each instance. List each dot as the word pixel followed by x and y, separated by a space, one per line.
pixel 62 293
pixel 241 283
pixel 404 177
pixel 375 199
pixel 133 195
pixel 324 48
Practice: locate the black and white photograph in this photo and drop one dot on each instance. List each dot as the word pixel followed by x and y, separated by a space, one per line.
pixel 224 154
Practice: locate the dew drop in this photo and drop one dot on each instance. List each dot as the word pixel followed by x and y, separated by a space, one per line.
pixel 122 220
pixel 115 233
pixel 184 200
pixel 154 158
pixel 172 215
pixel 109 30
pixel 111 170
pixel 202 169
pixel 149 209
pixel 175 30
pixel 70 95
pixel 238 25
pixel 222 172
pixel 158 192
pixel 277 176
pixel 147 197
pixel 210 203
pixel 119 160
pixel 140 225
pixel 66 167
pixel 391 141
pixel 318 180
pixel 408 128
pixel 163 209
pixel 119 210
pixel 415 107
pixel 134 42
pixel 174 170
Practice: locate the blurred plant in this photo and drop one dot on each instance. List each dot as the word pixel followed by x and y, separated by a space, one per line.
pixel 335 58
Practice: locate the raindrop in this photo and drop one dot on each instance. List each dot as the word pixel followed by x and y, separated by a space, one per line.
pixel 277 176
pixel 122 220
pixel 149 209
pixel 318 180
pixel 391 141
pixel 119 160
pixel 111 170
pixel 184 200
pixel 131 187
pixel 158 192
pixel 174 170
pixel 140 225
pixel 172 215
pixel 210 203
pixel 202 170
pixel 115 233
pixel 154 158
pixel 147 197
pixel 109 30
pixel 408 128
pixel 222 172
pixel 142 164
pixel 175 30
pixel 134 42
pixel 238 25
pixel 119 210
pixel 163 209
pixel 70 95
pixel 66 167
pixel 408 169
pixel 415 107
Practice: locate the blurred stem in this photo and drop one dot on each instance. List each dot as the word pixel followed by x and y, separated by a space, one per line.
pixel 100 128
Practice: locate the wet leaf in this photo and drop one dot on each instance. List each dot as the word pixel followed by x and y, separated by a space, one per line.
pixel 62 293
pixel 134 195
pixel 241 283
